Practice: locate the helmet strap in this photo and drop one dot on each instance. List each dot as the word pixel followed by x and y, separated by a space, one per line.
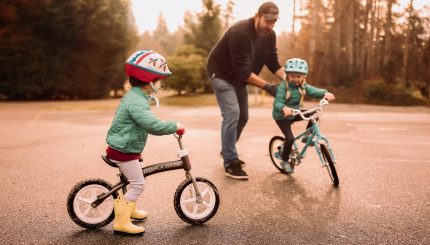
pixel 152 95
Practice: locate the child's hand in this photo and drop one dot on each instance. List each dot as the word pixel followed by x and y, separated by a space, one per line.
pixel 180 126
pixel 287 111
pixel 329 96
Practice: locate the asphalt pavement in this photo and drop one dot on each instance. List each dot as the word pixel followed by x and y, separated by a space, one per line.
pixel 383 166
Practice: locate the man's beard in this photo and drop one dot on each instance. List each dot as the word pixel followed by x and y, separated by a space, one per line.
pixel 262 31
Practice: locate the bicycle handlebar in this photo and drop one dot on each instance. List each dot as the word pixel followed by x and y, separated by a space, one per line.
pixel 180 132
pixel 302 114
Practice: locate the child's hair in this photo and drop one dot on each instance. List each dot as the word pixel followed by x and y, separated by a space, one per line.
pixel 302 90
pixel 133 82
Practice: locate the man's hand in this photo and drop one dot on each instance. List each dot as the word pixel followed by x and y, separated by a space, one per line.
pixel 270 89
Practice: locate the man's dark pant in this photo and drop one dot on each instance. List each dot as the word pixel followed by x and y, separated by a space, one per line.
pixel 233 102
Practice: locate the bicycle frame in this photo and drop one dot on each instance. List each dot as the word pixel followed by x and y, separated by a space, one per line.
pixel 315 138
pixel 183 163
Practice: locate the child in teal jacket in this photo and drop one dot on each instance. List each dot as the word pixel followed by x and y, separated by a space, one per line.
pixel 290 96
pixel 129 131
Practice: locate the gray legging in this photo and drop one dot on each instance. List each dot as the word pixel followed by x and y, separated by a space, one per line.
pixel 132 170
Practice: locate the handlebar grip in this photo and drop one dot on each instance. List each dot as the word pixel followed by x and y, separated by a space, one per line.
pixel 295 112
pixel 180 131
pixel 323 102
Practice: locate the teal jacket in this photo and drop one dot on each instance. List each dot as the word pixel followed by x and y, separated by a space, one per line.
pixel 133 122
pixel 294 100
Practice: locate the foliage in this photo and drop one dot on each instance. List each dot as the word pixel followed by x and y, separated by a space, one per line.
pixel 186 66
pixel 196 31
pixel 63 49
pixel 349 42
pixel 161 40
pixel 378 92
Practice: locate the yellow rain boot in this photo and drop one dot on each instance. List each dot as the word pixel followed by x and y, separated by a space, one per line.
pixel 122 223
pixel 138 215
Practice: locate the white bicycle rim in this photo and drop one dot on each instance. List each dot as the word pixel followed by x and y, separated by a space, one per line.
pixel 82 204
pixel 189 204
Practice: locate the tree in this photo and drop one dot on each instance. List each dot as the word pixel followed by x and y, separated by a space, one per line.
pixel 425 90
pixel 163 36
pixel 59 50
pixel 204 32
pixel 186 65
pixel 228 14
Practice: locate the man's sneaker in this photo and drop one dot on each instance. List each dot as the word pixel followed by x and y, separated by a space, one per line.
pixel 241 162
pixel 235 171
pixel 287 167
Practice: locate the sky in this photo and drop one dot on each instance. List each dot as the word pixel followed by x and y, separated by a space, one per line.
pixel 146 12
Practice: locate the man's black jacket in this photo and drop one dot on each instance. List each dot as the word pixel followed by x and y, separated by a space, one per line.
pixel 240 51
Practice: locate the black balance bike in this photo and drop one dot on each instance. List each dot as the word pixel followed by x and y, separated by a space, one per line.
pixel 196 200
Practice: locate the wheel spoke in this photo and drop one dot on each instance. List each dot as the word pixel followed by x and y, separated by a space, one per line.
pixel 84 200
pixel 190 200
pixel 93 194
pixel 204 192
pixel 100 212
pixel 86 211
pixel 195 207
pixel 207 204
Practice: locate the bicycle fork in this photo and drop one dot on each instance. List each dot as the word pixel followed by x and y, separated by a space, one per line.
pixel 324 141
pixel 183 154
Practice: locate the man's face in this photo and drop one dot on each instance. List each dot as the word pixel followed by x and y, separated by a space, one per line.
pixel 264 26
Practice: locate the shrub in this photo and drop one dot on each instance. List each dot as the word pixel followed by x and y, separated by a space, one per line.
pixel 378 92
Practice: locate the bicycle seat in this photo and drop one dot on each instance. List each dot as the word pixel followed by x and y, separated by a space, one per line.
pixel 109 162
pixel 112 164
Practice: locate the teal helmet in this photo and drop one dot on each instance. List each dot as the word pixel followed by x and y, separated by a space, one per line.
pixel 296 65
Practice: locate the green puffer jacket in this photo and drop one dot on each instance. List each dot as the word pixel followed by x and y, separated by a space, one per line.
pixel 133 122
pixel 294 100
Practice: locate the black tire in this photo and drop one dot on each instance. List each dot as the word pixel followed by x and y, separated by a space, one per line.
pixel 275 147
pixel 329 165
pixel 209 192
pixel 74 211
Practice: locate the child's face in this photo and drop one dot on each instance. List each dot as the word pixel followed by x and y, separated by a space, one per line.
pixel 296 78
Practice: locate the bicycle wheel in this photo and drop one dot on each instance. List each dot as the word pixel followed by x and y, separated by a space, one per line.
pixel 80 199
pixel 186 205
pixel 329 164
pixel 276 146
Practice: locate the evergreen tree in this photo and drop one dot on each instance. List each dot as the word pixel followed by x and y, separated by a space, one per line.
pixel 204 32
pixel 63 49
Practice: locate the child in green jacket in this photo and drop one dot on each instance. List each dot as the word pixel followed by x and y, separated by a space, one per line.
pixel 129 131
pixel 290 96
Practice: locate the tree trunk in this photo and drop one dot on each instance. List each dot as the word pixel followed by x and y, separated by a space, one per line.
pixel 405 78
pixel 349 32
pixel 294 19
pixel 388 34
pixel 365 41
pixel 377 51
pixel 371 38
